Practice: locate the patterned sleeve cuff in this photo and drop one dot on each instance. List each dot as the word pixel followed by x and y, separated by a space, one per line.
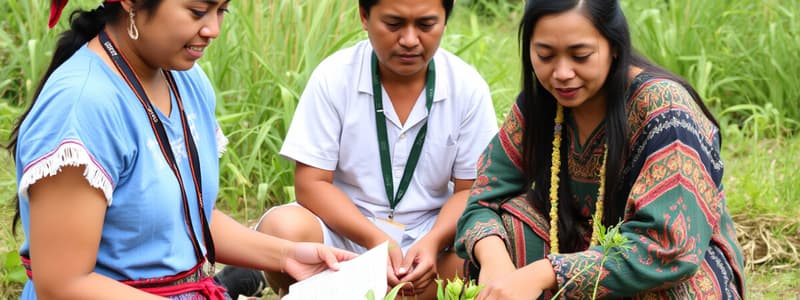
pixel 577 274
pixel 479 231
pixel 67 153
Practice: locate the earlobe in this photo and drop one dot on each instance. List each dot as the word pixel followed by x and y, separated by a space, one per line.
pixel 127 5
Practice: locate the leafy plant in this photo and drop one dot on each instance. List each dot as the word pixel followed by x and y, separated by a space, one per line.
pixel 457 289
pixel 11 269
pixel 390 296
pixel 613 244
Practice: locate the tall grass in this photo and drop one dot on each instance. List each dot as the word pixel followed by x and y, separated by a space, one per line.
pixel 487 39
pixel 260 66
pixel 741 56
pixel 760 175
pixel 259 73
pixel 26 48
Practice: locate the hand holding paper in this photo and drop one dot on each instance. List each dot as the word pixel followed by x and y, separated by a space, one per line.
pixel 353 280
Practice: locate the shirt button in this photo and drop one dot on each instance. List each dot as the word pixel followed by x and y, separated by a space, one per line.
pixel 402 136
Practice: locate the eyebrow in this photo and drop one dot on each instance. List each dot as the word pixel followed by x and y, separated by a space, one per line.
pixel 212 2
pixel 571 47
pixel 422 19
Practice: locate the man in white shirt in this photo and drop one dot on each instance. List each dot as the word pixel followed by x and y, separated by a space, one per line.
pixel 386 138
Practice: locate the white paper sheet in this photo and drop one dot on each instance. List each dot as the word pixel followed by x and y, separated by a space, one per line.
pixel 353 280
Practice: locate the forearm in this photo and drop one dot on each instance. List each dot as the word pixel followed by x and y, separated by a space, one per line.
pixel 476 224
pixel 89 286
pixel 541 274
pixel 339 213
pixel 493 259
pixel 66 224
pixel 238 245
pixel 491 250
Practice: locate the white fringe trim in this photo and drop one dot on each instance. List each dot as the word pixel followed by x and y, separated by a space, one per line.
pixel 68 153
pixel 222 142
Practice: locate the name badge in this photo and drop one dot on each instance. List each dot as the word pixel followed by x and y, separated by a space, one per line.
pixel 393 229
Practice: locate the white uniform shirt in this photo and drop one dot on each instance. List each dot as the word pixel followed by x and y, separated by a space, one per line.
pixel 334 129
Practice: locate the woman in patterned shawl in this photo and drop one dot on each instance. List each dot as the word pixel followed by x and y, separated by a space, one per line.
pixel 599 133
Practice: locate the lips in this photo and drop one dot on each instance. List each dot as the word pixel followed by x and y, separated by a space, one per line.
pixel 408 57
pixel 196 51
pixel 567 92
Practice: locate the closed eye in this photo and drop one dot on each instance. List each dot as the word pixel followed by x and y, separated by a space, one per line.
pixel 198 13
pixel 582 58
pixel 425 26
pixel 393 26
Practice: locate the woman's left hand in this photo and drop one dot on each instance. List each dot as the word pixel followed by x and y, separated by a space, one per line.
pixel 525 283
pixel 305 259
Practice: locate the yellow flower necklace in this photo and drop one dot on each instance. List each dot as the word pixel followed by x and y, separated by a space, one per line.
pixel 554 171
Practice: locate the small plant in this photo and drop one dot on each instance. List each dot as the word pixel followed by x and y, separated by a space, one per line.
pixel 457 289
pixel 613 244
pixel 390 296
pixel 11 269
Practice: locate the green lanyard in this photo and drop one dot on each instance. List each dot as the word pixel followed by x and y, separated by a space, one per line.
pixel 380 120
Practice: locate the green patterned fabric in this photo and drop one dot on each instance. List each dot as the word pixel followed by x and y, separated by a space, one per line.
pixel 683 241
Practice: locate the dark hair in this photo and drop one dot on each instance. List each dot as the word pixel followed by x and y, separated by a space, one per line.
pixel 84 25
pixel 539 107
pixel 368 4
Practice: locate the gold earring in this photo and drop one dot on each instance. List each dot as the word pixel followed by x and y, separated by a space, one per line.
pixel 133 32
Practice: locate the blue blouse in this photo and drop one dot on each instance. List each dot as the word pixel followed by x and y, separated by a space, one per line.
pixel 86 115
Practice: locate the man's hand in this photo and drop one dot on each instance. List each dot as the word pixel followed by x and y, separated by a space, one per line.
pixel 420 263
pixel 394 270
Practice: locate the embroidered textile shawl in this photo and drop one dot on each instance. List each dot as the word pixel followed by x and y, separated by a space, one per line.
pixel 682 236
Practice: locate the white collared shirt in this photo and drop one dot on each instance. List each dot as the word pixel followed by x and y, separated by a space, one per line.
pixel 333 128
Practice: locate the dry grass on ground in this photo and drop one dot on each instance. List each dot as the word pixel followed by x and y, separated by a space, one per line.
pixel 770 241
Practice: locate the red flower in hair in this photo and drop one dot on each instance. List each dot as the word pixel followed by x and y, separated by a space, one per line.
pixel 56 7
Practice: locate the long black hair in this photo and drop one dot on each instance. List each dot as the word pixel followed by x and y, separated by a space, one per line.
pixel 84 25
pixel 539 108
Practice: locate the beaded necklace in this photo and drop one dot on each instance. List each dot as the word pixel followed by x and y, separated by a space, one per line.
pixel 555 169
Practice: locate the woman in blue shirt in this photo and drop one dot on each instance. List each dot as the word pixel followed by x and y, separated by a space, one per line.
pixel 118 163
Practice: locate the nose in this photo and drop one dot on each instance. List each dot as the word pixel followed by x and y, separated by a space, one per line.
pixel 211 28
pixel 563 71
pixel 409 38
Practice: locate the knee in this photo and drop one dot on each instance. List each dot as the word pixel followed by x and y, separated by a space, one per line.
pixel 293 223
